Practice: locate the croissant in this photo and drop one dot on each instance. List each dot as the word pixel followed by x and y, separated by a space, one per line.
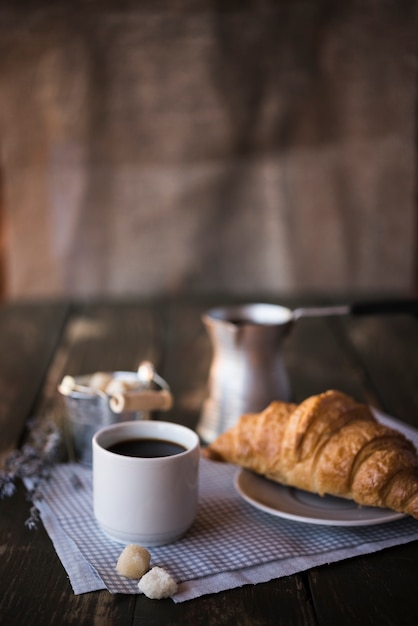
pixel 328 444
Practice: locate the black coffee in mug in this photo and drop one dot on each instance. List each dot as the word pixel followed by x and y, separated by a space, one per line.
pixel 146 448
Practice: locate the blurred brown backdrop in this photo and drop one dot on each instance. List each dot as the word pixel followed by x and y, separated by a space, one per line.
pixel 197 146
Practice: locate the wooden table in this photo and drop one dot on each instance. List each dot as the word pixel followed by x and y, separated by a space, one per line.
pixel 371 358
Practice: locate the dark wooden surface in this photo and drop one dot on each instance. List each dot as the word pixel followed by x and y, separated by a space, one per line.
pixel 372 358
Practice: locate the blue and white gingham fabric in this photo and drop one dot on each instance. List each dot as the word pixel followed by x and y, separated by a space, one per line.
pixel 230 544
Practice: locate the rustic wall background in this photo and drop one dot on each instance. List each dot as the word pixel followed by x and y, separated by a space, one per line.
pixel 205 146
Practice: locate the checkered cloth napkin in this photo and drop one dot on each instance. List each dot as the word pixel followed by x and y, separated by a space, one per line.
pixel 230 544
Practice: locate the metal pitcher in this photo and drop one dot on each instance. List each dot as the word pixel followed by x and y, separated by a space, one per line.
pixel 247 370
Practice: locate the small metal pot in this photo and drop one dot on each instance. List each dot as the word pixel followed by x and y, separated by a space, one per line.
pixel 90 409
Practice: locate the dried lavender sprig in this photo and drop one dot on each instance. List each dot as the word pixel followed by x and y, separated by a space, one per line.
pixel 34 460
pixel 7 486
pixel 33 519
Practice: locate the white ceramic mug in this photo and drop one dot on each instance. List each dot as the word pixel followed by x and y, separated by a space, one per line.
pixel 148 501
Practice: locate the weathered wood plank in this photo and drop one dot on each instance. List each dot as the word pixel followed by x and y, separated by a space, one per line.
pixel 34 588
pixel 110 337
pixel 279 602
pixel 187 359
pixel 316 362
pixel 28 338
pixel 368 590
pixel 387 348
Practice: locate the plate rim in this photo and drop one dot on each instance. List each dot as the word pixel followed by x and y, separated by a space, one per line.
pixel 387 514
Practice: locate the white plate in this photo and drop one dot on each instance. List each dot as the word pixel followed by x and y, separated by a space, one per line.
pixel 303 506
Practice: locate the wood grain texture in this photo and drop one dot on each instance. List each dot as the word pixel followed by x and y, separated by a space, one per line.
pixel 34 585
pixel 28 337
pixel 199 147
pixel 367 590
pixel 387 345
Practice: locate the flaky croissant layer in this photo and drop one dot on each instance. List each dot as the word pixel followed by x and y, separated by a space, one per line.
pixel 328 444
